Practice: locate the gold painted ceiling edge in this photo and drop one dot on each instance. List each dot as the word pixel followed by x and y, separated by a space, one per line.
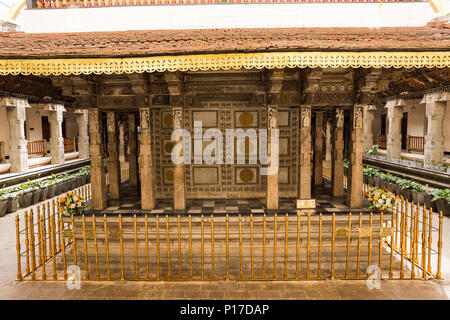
pixel 226 61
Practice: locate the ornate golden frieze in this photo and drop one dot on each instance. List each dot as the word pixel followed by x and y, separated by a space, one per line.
pixel 229 61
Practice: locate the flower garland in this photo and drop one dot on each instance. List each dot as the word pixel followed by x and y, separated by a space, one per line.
pixel 71 204
pixel 381 199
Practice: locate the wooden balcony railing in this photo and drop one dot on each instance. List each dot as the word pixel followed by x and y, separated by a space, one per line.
pixel 382 141
pixel 36 148
pixel 118 3
pixel 416 143
pixel 69 145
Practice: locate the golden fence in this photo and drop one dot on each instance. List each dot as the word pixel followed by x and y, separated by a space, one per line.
pixel 69 145
pixel 382 141
pixel 406 243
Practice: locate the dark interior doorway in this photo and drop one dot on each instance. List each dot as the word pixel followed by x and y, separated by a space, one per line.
pixel 404 129
pixel 45 128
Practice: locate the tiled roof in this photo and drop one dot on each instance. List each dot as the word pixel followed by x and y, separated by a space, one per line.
pixel 169 42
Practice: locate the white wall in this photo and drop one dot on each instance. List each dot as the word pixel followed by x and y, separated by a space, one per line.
pixel 416 119
pixel 33 124
pixel 4 130
pixel 447 128
pixel 257 15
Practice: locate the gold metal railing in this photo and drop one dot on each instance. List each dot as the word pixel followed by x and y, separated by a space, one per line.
pixel 382 141
pixel 406 243
pixel 69 145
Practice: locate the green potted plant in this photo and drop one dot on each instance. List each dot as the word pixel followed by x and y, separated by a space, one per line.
pixel 442 199
pixel 346 164
pixel 42 185
pixel 52 187
pixel 13 201
pixel 405 188
pixel 25 195
pixel 35 191
pixel 3 201
pixel 373 151
pixel 418 193
pixel 428 197
pixel 369 174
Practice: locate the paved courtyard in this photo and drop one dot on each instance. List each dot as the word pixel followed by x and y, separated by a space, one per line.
pixel 342 289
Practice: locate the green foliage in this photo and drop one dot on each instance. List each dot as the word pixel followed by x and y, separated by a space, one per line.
pixel 373 151
pixel 371 172
pixel 441 194
pixel 346 163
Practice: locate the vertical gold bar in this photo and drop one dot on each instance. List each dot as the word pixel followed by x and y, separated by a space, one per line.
pixel 358 255
pixel 108 267
pixel 391 258
pixel 53 234
pixel 227 248
pixel 416 243
pixel 33 253
pixel 395 225
pixel 240 248
pixel 19 268
pixel 430 238
pixel 286 230
pixel 179 246
pixel 202 248
pixel 157 247
pixel 380 247
pixel 122 271
pixel 424 242
pixel 63 248
pixel 413 242
pixel 212 248
pixel 39 220
pixel 411 232
pixel 41 242
pixel 94 234
pixel 147 269
pixel 333 229
pixel 74 250
pixel 251 248
pixel 369 258
pixel 44 235
pixel 27 243
pixel 136 255
pixel 61 240
pixel 275 246
pixel 168 247
pixel 438 274
pixel 308 246
pixel 297 249
pixel 86 266
pixel 190 246
pixel 348 243
pixel 402 240
pixel 319 247
pixel 264 247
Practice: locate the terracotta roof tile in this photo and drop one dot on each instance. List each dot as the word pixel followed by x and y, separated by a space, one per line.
pixel 166 42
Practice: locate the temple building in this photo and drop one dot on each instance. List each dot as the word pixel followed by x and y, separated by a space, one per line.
pixel 332 89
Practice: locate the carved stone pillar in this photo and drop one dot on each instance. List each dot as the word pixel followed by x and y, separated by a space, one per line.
pixel 272 179
pixel 355 169
pixel 179 193
pixel 318 145
pixel 98 179
pixel 337 165
pixel 146 169
pixel 56 138
pixel 83 133
pixel 132 147
pixel 16 116
pixel 113 155
pixel 394 135
pixel 328 146
pixel 436 104
pixel 305 153
pixel 369 116
pixel 121 143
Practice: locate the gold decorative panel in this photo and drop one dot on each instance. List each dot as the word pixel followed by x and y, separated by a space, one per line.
pixel 246 175
pixel 168 175
pixel 246 119
pixel 205 175
pixel 208 118
pixel 283 118
pixel 226 61
pixel 283 175
pixel 167 119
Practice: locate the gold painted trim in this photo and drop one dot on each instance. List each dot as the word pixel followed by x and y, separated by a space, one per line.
pixel 227 61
